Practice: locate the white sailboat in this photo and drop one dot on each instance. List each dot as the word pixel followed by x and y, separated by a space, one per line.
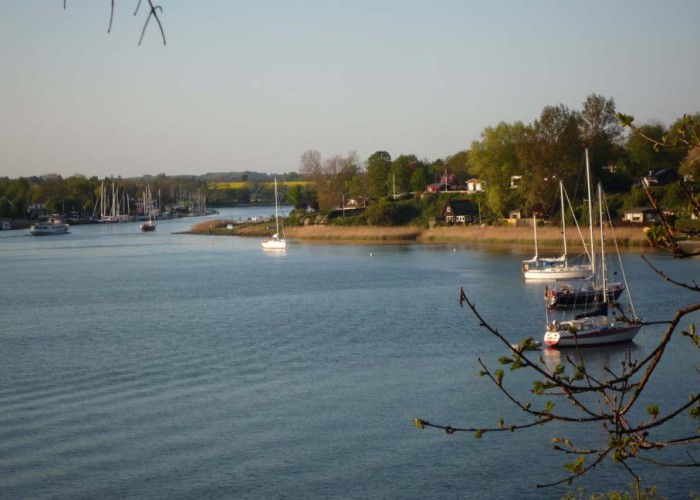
pixel 598 326
pixel 554 268
pixel 150 224
pixel 276 242
pixel 570 293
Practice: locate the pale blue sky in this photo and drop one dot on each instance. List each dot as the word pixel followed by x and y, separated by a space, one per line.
pixel 251 85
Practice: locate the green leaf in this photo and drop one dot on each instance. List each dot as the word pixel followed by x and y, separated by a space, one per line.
pixel 419 423
pixel 625 120
pixel 653 410
pixel 499 376
pixel 577 466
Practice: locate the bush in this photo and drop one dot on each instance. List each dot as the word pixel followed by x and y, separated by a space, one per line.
pixel 688 225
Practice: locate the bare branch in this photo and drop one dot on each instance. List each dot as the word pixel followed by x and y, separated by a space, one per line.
pixel 694 287
pixel 153 13
pixel 111 17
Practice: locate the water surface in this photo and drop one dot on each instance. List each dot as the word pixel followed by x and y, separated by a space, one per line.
pixel 165 365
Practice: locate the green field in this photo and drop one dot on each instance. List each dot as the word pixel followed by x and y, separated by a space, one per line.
pixel 241 184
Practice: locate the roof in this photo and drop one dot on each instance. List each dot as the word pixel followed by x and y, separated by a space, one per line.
pixel 637 210
pixel 462 207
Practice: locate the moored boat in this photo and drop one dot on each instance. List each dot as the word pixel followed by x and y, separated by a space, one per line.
pixel 597 326
pixel 554 268
pixel 579 293
pixel 54 225
pixel 276 242
pixel 148 226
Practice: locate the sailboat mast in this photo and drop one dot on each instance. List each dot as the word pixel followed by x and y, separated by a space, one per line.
pixel 534 223
pixel 590 213
pixel 277 218
pixel 602 244
pixel 563 221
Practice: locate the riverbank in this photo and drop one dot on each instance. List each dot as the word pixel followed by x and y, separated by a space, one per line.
pixel 547 236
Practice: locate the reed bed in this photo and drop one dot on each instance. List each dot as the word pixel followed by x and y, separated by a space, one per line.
pixel 546 236
pixel 365 233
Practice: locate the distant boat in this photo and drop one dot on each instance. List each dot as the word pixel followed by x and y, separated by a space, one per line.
pixel 597 326
pixel 50 227
pixel 150 224
pixel 276 242
pixel 554 268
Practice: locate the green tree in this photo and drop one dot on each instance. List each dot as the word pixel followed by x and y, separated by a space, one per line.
pixel 457 164
pixel 644 156
pixel 494 160
pixel 551 151
pixel 600 131
pixel 356 187
pixel 378 168
pixel 402 169
pixel 419 179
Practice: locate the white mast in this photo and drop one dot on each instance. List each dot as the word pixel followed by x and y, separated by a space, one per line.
pixel 563 221
pixel 590 214
pixel 534 223
pixel 277 219
pixel 602 244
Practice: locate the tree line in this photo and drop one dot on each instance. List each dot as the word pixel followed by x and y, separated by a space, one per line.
pixel 79 195
pixel 538 154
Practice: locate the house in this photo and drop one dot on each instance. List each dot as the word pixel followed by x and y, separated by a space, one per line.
pixel 38 209
pixel 460 212
pixel 640 214
pixel 435 188
pixel 475 186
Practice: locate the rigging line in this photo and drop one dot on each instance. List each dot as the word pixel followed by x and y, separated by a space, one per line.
pixel 578 228
pixel 619 257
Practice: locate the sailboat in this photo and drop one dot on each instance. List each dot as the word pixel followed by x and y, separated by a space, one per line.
pixel 597 326
pixel 276 242
pixel 554 268
pixel 579 293
pixel 150 224
pixel 582 292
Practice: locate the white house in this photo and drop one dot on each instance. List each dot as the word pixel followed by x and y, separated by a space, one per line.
pixel 475 186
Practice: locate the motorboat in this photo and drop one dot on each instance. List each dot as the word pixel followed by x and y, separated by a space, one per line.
pixel 54 225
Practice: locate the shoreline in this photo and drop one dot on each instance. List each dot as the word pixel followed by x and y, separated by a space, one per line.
pixel 548 237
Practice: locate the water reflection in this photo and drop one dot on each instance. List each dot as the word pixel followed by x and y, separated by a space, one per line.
pixel 597 359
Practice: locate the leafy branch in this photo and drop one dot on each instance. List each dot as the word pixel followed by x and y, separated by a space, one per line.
pixel 686 137
pixel 616 395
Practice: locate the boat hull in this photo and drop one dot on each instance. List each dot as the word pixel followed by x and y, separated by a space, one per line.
pixel 48 230
pixel 274 244
pixel 556 273
pixel 569 298
pixel 604 335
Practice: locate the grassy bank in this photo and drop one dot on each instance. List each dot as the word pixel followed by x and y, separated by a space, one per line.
pixel 547 236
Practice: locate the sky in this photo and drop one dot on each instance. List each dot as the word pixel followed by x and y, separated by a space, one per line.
pixel 252 84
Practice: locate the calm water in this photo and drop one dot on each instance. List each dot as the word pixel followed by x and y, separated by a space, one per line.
pixel 175 366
